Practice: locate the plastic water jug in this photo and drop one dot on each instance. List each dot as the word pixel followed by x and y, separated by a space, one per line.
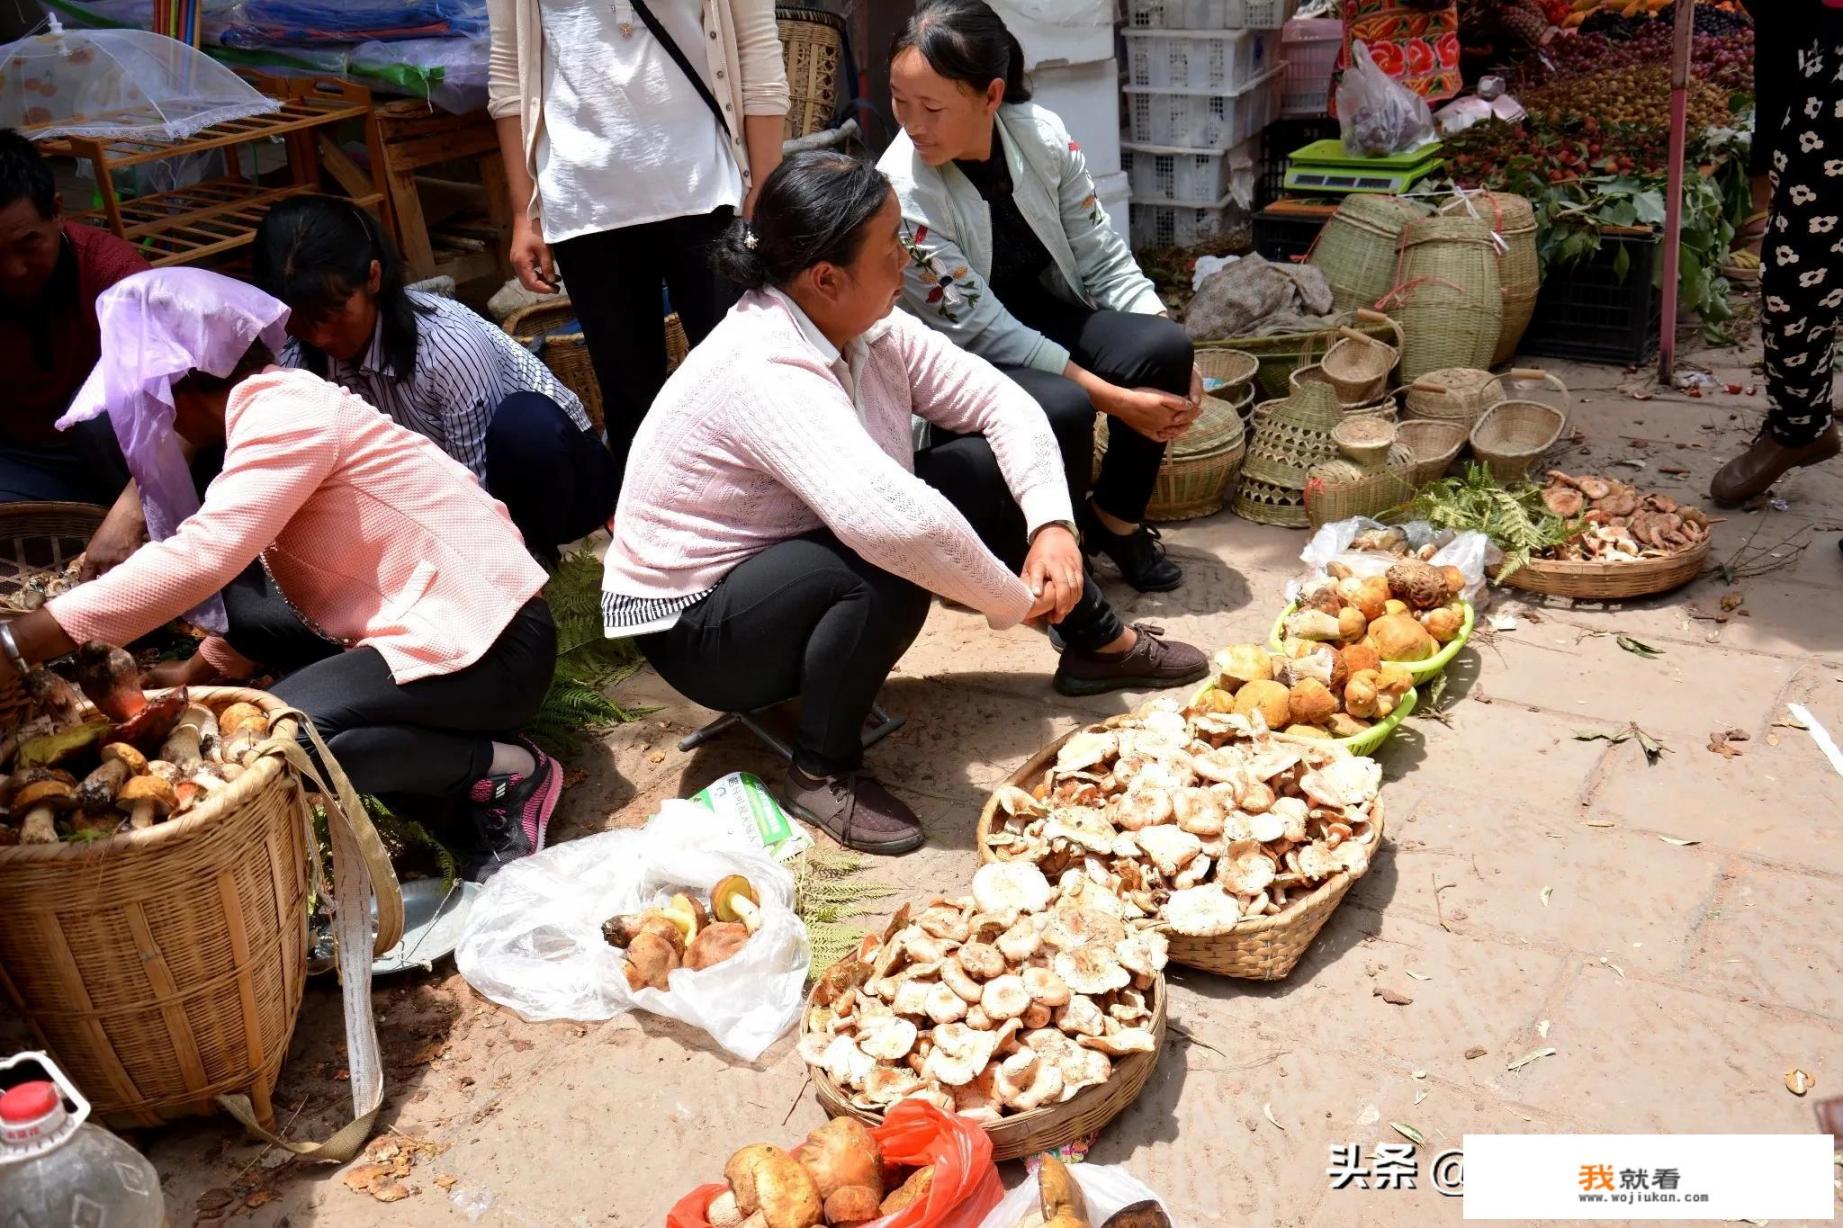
pixel 56 1169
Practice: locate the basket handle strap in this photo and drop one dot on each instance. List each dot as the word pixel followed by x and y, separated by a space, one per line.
pixel 362 874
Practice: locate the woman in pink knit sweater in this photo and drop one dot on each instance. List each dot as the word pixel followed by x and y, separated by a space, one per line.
pixel 777 534
pixel 441 644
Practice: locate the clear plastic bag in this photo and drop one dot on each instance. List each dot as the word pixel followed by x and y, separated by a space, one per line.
pixel 966 1186
pixel 1471 552
pixel 1377 114
pixel 534 939
pixel 1106 1188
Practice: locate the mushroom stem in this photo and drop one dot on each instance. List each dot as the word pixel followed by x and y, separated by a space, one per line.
pixel 142 815
pixel 38 827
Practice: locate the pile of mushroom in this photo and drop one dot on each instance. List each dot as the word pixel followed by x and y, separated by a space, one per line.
pixel 1194 817
pixel 681 933
pixel 86 773
pixel 1014 998
pixel 1621 525
pixel 836 1177
pixel 29 590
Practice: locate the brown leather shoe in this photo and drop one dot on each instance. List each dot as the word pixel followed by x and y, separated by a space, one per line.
pixel 855 810
pixel 1764 462
pixel 1151 664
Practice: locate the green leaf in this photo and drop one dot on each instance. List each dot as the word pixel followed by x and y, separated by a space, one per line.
pixel 1621 213
pixel 1637 648
pixel 1649 207
pixel 1622 262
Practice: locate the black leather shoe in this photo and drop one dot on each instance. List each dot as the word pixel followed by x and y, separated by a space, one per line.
pixel 1140 555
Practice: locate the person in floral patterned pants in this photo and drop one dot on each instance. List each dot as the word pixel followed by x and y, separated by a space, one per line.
pixel 1801 279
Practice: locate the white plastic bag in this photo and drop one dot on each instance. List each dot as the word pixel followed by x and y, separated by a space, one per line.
pixel 1107 1189
pixel 534 939
pixel 1471 552
pixel 1376 113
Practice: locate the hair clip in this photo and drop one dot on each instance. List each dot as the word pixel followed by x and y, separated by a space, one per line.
pixel 748 239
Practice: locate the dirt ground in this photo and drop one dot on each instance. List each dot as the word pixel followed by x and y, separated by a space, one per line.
pixel 1668 930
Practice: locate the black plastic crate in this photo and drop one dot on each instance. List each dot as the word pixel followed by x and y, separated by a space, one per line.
pixel 1587 311
pixel 1283 236
pixel 1281 138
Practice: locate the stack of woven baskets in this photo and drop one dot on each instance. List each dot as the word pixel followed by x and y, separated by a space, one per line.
pixel 1201 467
pixel 1519 270
pixel 1448 295
pixel 1359 247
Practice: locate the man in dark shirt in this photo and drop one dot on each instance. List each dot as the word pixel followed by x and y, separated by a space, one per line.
pixel 51 271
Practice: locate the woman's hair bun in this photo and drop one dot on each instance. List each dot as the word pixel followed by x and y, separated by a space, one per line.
pixel 735 257
pixel 810 210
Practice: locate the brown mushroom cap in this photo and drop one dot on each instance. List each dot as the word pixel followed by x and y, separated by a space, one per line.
pixel 126 755
pixel 55 789
pixel 150 790
pixel 714 944
pixel 239 716
pixel 724 897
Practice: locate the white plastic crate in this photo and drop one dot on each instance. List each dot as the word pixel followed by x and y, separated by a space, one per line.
pixel 1087 97
pixel 1156 224
pixel 1192 176
pixel 1310 45
pixel 1208 14
pixel 1198 60
pixel 1201 120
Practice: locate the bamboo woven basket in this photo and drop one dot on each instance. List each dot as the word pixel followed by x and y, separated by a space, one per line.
pixel 1339 489
pixel 1282 353
pixel 36 537
pixel 1448 297
pixel 1450 394
pixel 1610 581
pixel 1199 469
pixel 1291 436
pixel 1513 435
pixel 1358 366
pixel 1433 443
pixel 163 968
pixel 812 44
pixel 1236 368
pixel 546 329
pixel 1364 439
pixel 1258 949
pixel 1358 247
pixel 1045 1129
pixel 1519 267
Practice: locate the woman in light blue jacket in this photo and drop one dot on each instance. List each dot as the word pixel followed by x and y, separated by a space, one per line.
pixel 1013 257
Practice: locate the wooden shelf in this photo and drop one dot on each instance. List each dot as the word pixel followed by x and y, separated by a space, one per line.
pixel 191 224
pixel 296 115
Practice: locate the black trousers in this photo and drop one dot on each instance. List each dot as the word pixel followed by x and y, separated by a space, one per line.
pixel 432 737
pixel 1134 351
pixel 1801 274
pixel 1775 68
pixel 557 480
pixel 810 618
pixel 613 278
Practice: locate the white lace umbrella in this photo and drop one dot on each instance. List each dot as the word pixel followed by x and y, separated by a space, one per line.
pixel 118 85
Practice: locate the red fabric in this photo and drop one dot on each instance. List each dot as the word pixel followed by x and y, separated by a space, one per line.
pixel 966 1185
pixel 37 395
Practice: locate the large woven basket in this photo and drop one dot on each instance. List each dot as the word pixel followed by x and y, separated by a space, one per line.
pixel 549 329
pixel 1045 1129
pixel 1358 247
pixel 1281 353
pixel 1291 436
pixel 1610 581
pixel 1519 267
pixel 1433 443
pixel 812 45
pixel 1448 296
pixel 1358 366
pixel 1199 469
pixel 164 967
pixel 1450 394
pixel 1339 489
pixel 1236 368
pixel 1513 435
pixel 1258 949
pixel 38 537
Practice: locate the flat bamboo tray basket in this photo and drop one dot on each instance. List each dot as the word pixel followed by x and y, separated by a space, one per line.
pixel 1610 581
pixel 163 968
pixel 1258 949
pixel 1420 671
pixel 1045 1129
pixel 37 537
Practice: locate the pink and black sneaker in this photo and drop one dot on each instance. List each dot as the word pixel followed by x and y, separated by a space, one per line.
pixel 512 813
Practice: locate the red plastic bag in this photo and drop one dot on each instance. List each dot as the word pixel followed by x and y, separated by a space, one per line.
pixel 914 1133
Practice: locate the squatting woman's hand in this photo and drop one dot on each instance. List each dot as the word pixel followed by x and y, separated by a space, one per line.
pixel 1053 572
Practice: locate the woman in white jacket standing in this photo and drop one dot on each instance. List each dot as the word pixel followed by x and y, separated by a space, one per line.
pixel 633 132
pixel 1013 257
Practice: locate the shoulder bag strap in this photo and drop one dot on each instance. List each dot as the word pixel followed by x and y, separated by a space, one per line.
pixel 678 58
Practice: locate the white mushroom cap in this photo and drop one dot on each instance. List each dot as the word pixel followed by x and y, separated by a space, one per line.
pixel 1010 887
pixel 944 1005
pixel 1170 848
pixel 1245 868
pixel 888 1084
pixel 1266 827
pixel 1292 812
pixel 1091 970
pixel 1123 1041
pixel 1145 952
pixel 1201 912
pixel 977 1019
pixel 887 1039
pixel 1128 1007
pixel 1355 857
pixel 1085 749
pixel 981 961
pixel 934 1095
pixel 1082 1016
pixel 845 1063
pixel 1046 987
pixel 955 978
pixel 1198 811
pixel 1080 826
pixel 1147 804
pixel 1317 862
pixel 1347 783
pixel 1072 926
pixel 1019 943
pixel 1082 1068
pixel 1015 801
pixel 981 1093
pixel 1028 1082
pixel 943 922
pixel 1005 997
pixel 912 996
pixel 959 1050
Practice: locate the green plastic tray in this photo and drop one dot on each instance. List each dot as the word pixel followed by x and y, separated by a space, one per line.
pixel 1420 671
pixel 1365 743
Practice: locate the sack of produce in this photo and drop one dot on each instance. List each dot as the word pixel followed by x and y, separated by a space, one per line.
pixel 1376 114
pixel 684 917
pixel 1369 548
pixel 1095 1195
pixel 920 1168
